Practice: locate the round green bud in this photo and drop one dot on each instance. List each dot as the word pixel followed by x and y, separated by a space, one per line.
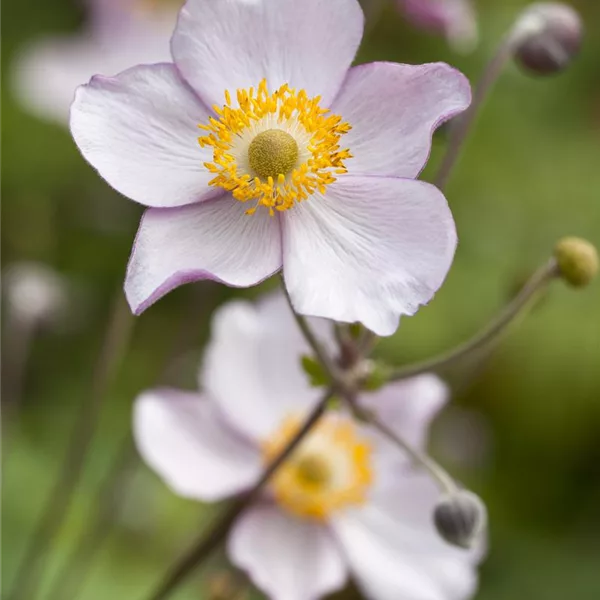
pixel 460 518
pixel 577 261
pixel 272 153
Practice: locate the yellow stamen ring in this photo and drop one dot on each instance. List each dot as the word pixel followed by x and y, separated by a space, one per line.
pixel 274 148
pixel 330 470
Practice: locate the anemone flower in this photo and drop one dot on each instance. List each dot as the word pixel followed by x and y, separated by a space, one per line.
pixel 276 179
pixel 346 501
pixel 118 33
pixel 453 18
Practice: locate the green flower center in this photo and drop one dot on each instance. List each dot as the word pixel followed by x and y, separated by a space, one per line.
pixel 272 153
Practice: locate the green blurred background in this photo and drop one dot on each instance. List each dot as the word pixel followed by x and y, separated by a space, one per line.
pixel 524 428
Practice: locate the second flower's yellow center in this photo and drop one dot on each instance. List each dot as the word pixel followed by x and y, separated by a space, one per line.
pixel 331 469
pixel 274 149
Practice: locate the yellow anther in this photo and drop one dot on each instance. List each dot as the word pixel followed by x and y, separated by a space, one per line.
pixel 330 470
pixel 274 148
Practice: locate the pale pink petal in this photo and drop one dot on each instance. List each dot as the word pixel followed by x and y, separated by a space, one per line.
pixel 139 129
pixel 287 558
pixel 233 44
pixel 252 366
pixel 395 552
pixel 182 437
pixel 370 250
pixel 409 406
pixel 393 110
pixel 210 240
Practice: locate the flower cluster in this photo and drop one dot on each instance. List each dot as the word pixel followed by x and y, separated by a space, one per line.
pixel 257 149
pixel 261 149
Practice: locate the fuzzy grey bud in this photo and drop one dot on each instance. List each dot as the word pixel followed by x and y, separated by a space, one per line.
pixel 547 37
pixel 460 518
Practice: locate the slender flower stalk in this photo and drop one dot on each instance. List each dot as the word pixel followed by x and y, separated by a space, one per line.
pixel 544 38
pixel 118 335
pixel 209 542
pixel 463 124
pixel 36 298
pixel 492 332
pixel 420 459
pixel 118 480
pixel 313 341
pixel 20 338
pixel 113 491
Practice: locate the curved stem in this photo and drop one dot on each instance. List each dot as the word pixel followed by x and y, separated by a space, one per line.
pixel 462 125
pixel 421 459
pixel 539 281
pixel 209 542
pixel 114 488
pixel 330 367
pixel 20 336
pixel 119 479
pixel 118 334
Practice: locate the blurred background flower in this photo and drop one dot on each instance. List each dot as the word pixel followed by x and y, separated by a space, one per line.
pixel 117 34
pixel 529 175
pixel 454 19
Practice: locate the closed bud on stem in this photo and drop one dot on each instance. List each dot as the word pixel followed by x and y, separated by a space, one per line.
pixel 547 37
pixel 577 261
pixel 460 518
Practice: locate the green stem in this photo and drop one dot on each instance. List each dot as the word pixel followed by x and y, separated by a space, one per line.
pixel 326 361
pixel 462 125
pixel 31 567
pixel 538 282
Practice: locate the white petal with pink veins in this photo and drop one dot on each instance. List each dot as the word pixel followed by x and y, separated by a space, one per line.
pixel 139 129
pixel 393 110
pixel 369 250
pixel 209 240
pixel 234 44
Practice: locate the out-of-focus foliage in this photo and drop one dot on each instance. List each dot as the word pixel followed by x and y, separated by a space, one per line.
pixel 529 175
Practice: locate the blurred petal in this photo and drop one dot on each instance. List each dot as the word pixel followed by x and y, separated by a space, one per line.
pixel 180 435
pixel 395 552
pixel 210 240
pixel 394 110
pixel 47 72
pixel 370 250
pixel 252 366
pixel 140 131
pixel 409 406
pixel 234 44
pixel 454 18
pixel 287 558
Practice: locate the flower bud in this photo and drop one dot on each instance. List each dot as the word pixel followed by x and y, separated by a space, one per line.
pixel 547 37
pixel 34 292
pixel 577 260
pixel 460 518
